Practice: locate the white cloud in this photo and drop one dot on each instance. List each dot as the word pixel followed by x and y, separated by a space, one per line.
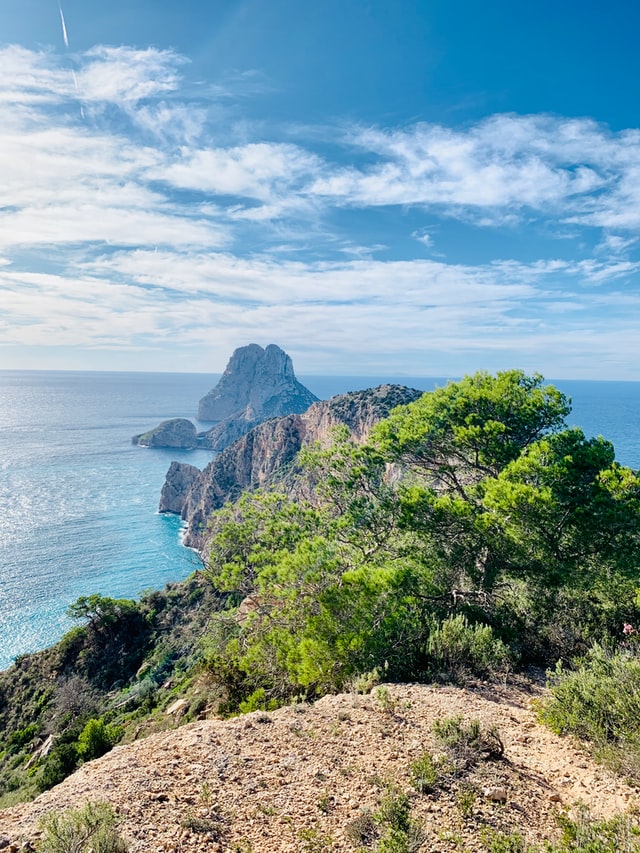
pixel 572 169
pixel 255 170
pixel 124 75
pixel 423 237
pixel 164 222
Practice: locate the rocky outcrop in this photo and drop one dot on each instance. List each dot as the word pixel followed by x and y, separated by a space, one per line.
pixel 257 384
pixel 262 455
pixel 268 782
pixel 225 433
pixel 180 478
pixel 178 432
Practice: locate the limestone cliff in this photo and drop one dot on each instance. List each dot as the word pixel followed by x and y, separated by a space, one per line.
pixel 257 384
pixel 260 456
pixel 180 477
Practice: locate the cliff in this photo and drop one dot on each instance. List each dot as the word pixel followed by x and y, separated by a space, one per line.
pixel 257 384
pixel 265 451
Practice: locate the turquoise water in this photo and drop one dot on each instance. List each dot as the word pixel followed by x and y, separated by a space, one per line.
pixel 79 501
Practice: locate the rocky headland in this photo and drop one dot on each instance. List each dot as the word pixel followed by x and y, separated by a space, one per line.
pixel 268 451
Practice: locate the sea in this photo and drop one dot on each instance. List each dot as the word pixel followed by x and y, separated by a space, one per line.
pixel 79 501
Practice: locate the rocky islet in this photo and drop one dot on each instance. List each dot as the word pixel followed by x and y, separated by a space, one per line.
pixel 257 384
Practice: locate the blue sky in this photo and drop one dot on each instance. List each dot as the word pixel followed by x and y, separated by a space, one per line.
pixel 381 188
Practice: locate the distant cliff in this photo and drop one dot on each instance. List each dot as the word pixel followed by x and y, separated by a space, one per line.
pixel 266 450
pixel 256 385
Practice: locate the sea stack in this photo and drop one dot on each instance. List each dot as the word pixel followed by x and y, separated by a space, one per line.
pixel 257 384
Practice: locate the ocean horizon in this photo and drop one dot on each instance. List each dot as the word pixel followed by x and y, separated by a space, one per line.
pixel 80 501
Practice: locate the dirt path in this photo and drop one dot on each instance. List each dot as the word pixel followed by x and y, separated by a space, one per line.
pixel 295 779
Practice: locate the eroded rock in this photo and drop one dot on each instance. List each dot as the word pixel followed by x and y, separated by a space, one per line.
pixel 177 432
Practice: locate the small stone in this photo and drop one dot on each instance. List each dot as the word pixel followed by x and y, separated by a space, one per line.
pixel 177 707
pixel 555 797
pixel 495 794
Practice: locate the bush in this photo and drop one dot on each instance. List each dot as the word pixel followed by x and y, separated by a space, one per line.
pixel 91 828
pixel 60 763
pixel 598 702
pixel 399 833
pixel 578 834
pixel 425 773
pixel 620 834
pixel 22 737
pixel 461 649
pixel 467 743
pixel 97 738
pixel 394 810
pixel 362 831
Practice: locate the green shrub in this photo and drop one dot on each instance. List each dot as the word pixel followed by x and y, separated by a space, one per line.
pixel 394 810
pixel 398 832
pixel 461 649
pixel 314 841
pixel 425 773
pixel 97 738
pixel 402 841
pixel 365 681
pixel 500 842
pixel 257 701
pixel 91 829
pixel 598 701
pixel 467 743
pixel 59 764
pixel 22 737
pixel 620 834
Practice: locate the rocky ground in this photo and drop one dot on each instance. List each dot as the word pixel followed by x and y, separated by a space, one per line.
pixel 298 779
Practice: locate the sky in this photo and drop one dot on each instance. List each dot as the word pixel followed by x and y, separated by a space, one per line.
pixel 383 188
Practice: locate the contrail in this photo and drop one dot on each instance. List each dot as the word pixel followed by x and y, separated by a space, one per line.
pixel 75 83
pixel 64 27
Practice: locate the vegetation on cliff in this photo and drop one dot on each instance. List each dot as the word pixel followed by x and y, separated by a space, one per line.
pixel 109 678
pixel 473 531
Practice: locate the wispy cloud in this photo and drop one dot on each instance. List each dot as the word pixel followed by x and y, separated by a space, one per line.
pixel 136 211
pixel 573 170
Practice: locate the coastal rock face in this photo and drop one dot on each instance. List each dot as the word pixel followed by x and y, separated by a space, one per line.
pixel 264 453
pixel 225 433
pixel 257 384
pixel 178 432
pixel 180 477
